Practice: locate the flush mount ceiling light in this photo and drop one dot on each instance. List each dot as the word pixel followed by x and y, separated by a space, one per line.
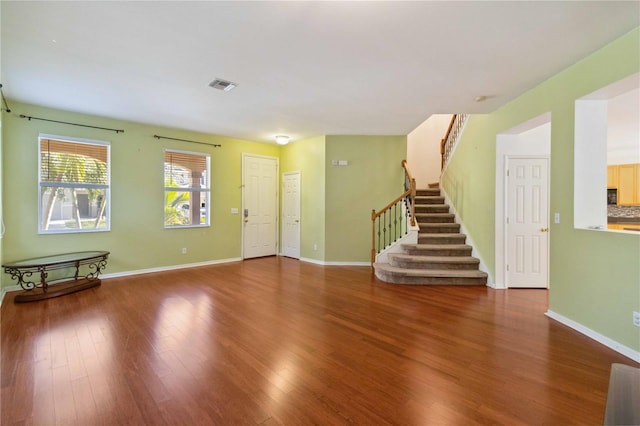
pixel 481 98
pixel 282 139
pixel 221 84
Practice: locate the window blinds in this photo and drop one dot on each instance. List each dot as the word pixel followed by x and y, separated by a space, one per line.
pixel 77 162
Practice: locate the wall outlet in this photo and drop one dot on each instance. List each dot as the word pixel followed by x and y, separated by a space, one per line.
pixel 315 247
pixel 636 318
pixel 184 250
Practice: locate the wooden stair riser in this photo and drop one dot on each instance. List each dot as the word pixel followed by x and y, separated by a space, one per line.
pixel 421 262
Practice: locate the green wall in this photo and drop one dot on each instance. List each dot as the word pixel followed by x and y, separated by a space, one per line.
pixel 594 275
pixel 308 157
pixel 1 207
pixel 137 239
pixel 336 201
pixel 373 178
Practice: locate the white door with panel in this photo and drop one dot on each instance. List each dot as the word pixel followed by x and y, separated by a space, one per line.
pixel 260 206
pixel 291 214
pixel 527 222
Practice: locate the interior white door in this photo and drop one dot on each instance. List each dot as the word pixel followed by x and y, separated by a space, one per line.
pixel 527 223
pixel 260 206
pixel 291 214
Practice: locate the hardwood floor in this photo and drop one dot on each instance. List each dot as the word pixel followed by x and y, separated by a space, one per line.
pixel 277 341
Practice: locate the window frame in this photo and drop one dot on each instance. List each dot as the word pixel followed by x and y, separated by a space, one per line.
pixel 46 184
pixel 189 189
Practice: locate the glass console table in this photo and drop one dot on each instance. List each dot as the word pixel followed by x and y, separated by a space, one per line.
pixel 70 280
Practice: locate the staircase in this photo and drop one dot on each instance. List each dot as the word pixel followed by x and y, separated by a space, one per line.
pixel 440 257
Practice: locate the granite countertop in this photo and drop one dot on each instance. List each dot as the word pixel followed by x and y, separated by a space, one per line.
pixel 623 214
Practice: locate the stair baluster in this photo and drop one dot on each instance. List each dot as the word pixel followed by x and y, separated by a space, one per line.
pixel 405 203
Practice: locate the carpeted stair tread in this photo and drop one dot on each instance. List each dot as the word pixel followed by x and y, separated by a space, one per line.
pixel 429 192
pixel 438 246
pixel 432 208
pixel 435 217
pixel 440 257
pixel 391 274
pixel 441 238
pixel 436 259
pixel 437 249
pixel 430 272
pixel 428 199
pixel 412 261
pixel 435 228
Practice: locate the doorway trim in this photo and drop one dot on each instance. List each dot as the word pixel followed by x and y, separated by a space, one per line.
pixel 511 144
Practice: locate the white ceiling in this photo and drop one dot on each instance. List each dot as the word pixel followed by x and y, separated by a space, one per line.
pixel 302 68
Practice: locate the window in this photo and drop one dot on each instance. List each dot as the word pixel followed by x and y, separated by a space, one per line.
pixel 74 185
pixel 186 189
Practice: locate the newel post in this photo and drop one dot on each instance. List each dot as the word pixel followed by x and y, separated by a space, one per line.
pixel 373 236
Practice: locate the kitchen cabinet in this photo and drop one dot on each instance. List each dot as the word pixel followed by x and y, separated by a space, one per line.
pixel 628 184
pixel 612 176
pixel 625 177
pixel 623 226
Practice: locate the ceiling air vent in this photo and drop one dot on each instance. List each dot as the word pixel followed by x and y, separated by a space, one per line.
pixel 221 84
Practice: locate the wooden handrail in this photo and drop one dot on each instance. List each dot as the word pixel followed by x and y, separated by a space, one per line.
pixel 451 138
pixel 410 192
pixel 407 172
pixel 412 188
pixel 375 215
pixel 444 141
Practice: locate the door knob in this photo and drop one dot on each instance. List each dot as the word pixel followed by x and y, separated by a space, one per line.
pixel 544 229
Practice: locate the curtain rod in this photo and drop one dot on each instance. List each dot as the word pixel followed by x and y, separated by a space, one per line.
pixel 215 145
pixel 6 106
pixel 71 124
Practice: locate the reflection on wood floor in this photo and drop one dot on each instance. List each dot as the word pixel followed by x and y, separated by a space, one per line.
pixel 277 341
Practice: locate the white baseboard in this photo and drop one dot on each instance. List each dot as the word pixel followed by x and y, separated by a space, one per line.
pixel 331 263
pixel 474 252
pixel 169 268
pixel 604 340
pixel 7 289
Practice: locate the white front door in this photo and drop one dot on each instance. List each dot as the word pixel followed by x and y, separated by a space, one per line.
pixel 260 206
pixel 527 222
pixel 291 214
